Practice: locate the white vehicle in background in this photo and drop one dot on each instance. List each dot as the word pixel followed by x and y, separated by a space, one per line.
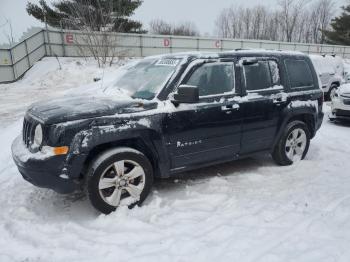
pixel 330 70
pixel 347 71
pixel 340 104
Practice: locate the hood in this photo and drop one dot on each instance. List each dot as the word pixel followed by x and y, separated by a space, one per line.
pixel 84 107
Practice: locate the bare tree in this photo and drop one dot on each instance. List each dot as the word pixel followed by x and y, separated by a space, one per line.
pixel 326 13
pixel 162 27
pixel 99 42
pixel 249 23
pixel 291 21
pixel 291 12
pixel 186 29
pixel 8 33
pixel 225 25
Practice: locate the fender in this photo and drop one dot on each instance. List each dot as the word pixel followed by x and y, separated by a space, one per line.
pixel 87 140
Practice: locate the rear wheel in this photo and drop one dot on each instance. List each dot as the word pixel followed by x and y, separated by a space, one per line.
pixel 119 177
pixel 293 144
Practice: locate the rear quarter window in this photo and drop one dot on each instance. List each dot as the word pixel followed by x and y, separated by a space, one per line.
pixel 299 73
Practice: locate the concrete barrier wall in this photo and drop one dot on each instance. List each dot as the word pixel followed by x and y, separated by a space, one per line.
pixel 15 61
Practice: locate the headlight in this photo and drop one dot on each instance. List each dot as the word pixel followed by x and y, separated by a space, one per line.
pixel 38 137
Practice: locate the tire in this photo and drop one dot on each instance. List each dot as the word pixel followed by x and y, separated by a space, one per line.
pixel 119 177
pixel 293 144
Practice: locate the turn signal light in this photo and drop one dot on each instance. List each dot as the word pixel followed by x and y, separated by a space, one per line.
pixel 63 150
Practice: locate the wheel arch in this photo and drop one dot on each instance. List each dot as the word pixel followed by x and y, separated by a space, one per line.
pixel 337 83
pixel 308 119
pixel 135 143
pixel 305 116
pixel 144 141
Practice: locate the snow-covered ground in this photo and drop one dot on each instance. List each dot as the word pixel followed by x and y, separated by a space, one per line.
pixel 249 210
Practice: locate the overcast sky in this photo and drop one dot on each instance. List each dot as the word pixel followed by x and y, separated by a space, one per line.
pixel 202 13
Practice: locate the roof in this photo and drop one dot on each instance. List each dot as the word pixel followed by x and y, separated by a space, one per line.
pixel 223 54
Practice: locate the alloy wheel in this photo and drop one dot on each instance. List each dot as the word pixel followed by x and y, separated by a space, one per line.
pixel 295 144
pixel 122 183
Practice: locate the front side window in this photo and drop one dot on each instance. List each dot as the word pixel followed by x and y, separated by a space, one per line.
pixel 299 73
pixel 213 79
pixel 262 75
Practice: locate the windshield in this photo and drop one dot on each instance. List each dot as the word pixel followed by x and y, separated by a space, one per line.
pixel 146 78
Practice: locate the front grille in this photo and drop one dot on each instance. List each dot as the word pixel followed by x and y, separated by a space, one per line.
pixel 28 132
pixel 342 113
pixel 346 102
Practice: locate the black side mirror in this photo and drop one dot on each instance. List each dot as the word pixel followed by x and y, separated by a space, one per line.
pixel 186 94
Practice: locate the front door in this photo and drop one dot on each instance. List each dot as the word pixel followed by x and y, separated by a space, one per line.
pixel 210 130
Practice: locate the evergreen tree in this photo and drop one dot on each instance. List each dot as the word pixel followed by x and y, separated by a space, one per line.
pixel 340 35
pixel 95 15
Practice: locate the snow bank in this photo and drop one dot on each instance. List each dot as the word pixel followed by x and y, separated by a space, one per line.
pixel 250 210
pixel 45 80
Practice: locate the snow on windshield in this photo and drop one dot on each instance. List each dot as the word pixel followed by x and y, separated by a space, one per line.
pixel 146 78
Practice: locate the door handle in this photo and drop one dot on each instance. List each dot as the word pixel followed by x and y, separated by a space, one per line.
pixel 230 107
pixel 278 101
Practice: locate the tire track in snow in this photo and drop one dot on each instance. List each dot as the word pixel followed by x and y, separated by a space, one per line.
pixel 299 227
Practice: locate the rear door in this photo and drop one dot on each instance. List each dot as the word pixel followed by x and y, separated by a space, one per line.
pixel 262 105
pixel 210 130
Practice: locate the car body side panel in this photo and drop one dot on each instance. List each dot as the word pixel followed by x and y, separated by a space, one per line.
pixel 259 126
pixel 204 133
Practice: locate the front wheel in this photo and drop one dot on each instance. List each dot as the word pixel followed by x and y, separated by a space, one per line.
pixel 293 144
pixel 119 177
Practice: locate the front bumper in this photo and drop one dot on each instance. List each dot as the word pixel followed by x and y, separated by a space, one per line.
pixel 42 170
pixel 340 108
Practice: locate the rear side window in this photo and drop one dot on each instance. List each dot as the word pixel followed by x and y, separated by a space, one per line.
pixel 299 73
pixel 262 75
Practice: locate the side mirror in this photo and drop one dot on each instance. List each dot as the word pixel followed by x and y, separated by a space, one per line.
pixel 186 94
pixel 251 61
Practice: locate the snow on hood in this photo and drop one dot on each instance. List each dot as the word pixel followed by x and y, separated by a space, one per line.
pixel 83 107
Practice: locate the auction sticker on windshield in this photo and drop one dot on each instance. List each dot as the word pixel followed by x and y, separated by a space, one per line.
pixel 167 62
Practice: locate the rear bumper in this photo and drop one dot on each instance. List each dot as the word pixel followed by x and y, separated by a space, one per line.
pixel 42 171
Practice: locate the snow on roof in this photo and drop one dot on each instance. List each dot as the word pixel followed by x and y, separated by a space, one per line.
pixel 264 51
pixel 328 64
pixel 200 54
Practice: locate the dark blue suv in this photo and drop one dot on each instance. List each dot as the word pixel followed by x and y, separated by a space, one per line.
pixel 182 112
